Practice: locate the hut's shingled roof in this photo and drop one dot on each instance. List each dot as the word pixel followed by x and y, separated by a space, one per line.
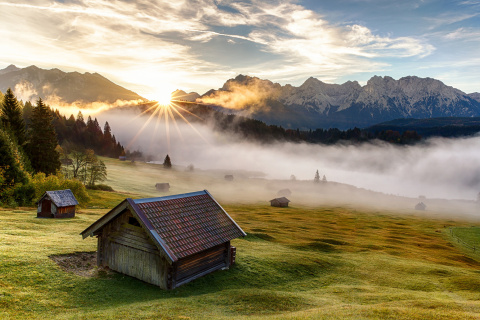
pixel 180 225
pixel 61 198
pixel 189 223
pixel 281 200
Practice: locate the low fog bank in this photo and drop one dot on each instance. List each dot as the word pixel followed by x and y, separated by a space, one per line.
pixel 439 168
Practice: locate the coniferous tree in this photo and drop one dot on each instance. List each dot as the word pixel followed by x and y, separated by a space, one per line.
pixel 167 164
pixel 43 141
pixel 15 187
pixel 11 161
pixel 27 113
pixel 317 177
pixel 107 144
pixel 12 118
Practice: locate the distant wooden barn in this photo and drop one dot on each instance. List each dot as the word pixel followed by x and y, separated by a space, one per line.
pixel 164 187
pixel 420 206
pixel 279 202
pixel 284 193
pixel 229 177
pixel 166 241
pixel 122 158
pixel 57 204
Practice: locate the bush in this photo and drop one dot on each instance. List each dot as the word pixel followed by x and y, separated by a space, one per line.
pixel 58 182
pixel 102 187
pixel 24 194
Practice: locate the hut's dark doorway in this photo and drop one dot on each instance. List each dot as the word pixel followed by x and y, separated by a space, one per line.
pixel 46 208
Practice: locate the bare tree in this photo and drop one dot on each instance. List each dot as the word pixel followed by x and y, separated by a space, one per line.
pixel 79 161
pixel 97 171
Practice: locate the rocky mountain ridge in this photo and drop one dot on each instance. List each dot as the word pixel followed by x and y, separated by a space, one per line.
pixel 318 104
pixel 314 104
pixel 32 82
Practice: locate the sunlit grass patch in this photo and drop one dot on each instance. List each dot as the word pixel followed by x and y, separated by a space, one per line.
pixel 295 263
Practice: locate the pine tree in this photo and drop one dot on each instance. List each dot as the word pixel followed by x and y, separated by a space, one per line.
pixel 15 186
pixel 167 164
pixel 11 161
pixel 12 118
pixel 27 113
pixel 107 140
pixel 317 177
pixel 43 141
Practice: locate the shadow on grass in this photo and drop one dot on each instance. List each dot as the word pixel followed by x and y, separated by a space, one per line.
pixel 239 286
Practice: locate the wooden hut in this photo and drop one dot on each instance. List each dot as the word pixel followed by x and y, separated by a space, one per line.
pixel 122 158
pixel 420 206
pixel 284 193
pixel 57 204
pixel 228 177
pixel 279 202
pixel 166 241
pixel 164 187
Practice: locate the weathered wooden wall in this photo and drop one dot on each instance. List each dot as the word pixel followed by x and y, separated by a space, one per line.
pixel 65 212
pixel 47 209
pixel 126 248
pixel 197 265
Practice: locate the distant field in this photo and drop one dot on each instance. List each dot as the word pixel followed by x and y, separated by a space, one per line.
pixel 295 263
pixel 314 260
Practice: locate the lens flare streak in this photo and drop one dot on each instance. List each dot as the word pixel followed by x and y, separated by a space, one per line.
pixel 168 112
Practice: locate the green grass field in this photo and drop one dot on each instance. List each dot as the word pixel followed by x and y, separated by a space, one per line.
pixel 318 262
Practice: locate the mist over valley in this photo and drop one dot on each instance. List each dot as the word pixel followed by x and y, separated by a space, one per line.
pixel 435 168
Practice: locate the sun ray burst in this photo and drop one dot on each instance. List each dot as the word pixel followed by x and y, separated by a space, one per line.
pixel 168 111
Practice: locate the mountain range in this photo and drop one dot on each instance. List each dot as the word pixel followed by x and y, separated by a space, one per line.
pixel 314 104
pixel 67 87
pixel 318 104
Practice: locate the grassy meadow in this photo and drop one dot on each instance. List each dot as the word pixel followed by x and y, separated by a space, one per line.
pixel 305 261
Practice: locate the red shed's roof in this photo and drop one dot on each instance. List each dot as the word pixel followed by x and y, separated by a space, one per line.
pixel 61 198
pixel 181 225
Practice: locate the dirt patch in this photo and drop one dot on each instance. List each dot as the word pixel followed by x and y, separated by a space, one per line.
pixel 80 263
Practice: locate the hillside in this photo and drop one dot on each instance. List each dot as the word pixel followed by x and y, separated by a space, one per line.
pixel 67 87
pixel 318 261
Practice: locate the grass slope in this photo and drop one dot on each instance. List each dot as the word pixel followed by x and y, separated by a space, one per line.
pixel 319 262
pixel 295 263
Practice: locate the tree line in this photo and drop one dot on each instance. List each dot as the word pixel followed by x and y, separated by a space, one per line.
pixel 34 143
pixel 257 130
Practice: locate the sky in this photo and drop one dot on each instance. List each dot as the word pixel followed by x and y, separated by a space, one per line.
pixel 156 47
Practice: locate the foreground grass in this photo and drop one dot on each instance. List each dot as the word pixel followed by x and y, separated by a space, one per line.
pixel 295 263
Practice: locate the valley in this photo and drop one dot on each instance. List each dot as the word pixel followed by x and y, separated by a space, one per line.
pixel 319 260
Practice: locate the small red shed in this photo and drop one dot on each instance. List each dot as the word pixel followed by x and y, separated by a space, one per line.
pixel 57 204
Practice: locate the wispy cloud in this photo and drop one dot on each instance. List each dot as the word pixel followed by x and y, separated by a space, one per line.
pixel 450 18
pixel 468 34
pixel 153 46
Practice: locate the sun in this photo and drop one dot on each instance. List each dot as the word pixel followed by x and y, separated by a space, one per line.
pixel 167 108
pixel 162 95
pixel 163 99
